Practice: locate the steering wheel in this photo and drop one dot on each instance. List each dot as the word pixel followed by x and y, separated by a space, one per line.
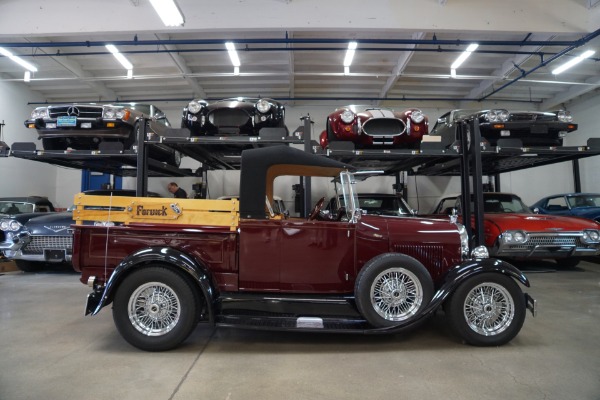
pixel 316 209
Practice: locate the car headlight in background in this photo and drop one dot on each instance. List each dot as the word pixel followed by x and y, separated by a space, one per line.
pixel 564 116
pixel 590 236
pixel 515 237
pixel 194 107
pixel 347 116
pixel 113 112
pixel 10 225
pixel 263 106
pixel 40 112
pixel 499 115
pixel 417 116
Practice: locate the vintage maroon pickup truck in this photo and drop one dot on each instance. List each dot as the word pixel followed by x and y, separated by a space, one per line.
pixel 168 264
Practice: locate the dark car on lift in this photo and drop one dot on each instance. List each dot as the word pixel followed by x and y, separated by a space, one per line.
pixel 234 116
pixel 17 210
pixel 374 204
pixel 367 126
pixel 585 205
pixel 35 241
pixel 532 128
pixel 83 126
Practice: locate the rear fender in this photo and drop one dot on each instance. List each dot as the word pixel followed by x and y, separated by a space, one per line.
pixel 165 255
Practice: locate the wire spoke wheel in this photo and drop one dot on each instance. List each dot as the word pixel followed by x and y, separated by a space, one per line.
pixel 487 309
pixel 154 309
pixel 396 294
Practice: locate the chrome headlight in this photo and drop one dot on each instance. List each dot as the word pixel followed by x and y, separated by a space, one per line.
pixel 564 116
pixel 113 112
pixel 347 116
pixel 515 237
pixel 497 115
pixel 263 106
pixel 10 225
pixel 480 252
pixel 417 116
pixel 464 240
pixel 590 236
pixel 40 112
pixel 194 107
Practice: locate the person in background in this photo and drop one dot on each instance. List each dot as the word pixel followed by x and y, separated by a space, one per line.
pixel 178 192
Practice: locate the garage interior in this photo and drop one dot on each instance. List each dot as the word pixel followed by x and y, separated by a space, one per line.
pixel 293 51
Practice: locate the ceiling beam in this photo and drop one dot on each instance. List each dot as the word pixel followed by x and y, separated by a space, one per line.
pixel 400 65
pixel 183 68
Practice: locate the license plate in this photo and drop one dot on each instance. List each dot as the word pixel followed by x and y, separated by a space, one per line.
pixel 539 128
pixel 504 133
pixel 54 255
pixel 66 121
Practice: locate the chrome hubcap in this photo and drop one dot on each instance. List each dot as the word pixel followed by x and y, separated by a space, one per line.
pixel 396 294
pixel 154 309
pixel 489 309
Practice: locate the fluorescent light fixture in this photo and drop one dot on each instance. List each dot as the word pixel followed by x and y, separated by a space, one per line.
pixel 346 70
pixel 129 74
pixel 350 54
pixel 168 12
pixel 18 60
pixel 464 55
pixel 236 71
pixel 453 73
pixel 27 76
pixel 235 60
pixel 120 57
pixel 573 62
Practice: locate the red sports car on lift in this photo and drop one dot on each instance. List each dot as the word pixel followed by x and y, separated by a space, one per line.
pixel 513 231
pixel 375 127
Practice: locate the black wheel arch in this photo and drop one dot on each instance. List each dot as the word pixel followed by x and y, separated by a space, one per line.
pixel 468 269
pixel 167 256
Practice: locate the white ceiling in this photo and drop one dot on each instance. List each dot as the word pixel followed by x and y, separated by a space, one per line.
pixel 293 50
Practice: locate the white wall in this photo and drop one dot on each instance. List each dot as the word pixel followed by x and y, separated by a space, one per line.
pixel 20 177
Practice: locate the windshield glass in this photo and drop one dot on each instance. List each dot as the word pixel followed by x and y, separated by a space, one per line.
pixel 15 207
pixel 383 205
pixel 503 203
pixel 349 195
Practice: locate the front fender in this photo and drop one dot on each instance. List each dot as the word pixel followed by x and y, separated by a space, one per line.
pixel 165 255
pixel 468 269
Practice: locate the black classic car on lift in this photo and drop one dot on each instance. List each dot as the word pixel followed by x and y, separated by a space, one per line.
pixel 532 128
pixel 83 126
pixel 235 116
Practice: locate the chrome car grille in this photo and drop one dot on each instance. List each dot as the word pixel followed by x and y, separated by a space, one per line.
pixel 531 117
pixel 548 241
pixel 81 111
pixel 386 127
pixel 228 117
pixel 39 243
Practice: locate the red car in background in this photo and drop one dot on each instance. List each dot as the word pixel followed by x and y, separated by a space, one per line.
pixel 513 231
pixel 375 127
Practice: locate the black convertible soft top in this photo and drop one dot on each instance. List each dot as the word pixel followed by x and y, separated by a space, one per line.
pixel 261 166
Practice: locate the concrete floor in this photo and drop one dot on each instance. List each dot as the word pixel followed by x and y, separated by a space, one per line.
pixel 49 350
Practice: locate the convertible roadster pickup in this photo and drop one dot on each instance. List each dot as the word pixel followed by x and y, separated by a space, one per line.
pixel 168 264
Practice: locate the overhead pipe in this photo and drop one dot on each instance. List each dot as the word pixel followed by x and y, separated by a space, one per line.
pixel 580 43
pixel 287 41
pixel 291 49
pixel 351 99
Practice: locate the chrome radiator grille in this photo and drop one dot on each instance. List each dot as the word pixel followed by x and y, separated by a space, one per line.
pixel 78 111
pixel 39 243
pixel 549 241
